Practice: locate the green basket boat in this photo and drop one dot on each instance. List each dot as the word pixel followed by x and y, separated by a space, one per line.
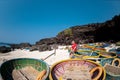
pixel 24 69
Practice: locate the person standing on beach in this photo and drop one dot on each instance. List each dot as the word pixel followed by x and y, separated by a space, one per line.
pixel 73 48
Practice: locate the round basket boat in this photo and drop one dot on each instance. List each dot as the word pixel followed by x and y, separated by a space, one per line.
pixel 84 49
pixel 76 69
pixel 86 55
pixel 89 46
pixel 108 54
pixel 24 69
pixel 98 49
pixel 112 67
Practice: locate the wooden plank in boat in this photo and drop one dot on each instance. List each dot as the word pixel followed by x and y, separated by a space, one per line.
pixel 16 74
pixel 30 72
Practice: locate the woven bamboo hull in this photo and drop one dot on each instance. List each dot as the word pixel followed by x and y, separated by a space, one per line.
pixel 108 54
pixel 84 55
pixel 24 68
pixel 59 70
pixel 110 76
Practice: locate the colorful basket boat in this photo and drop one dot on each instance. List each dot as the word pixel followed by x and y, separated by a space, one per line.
pixel 111 65
pixel 24 69
pixel 89 46
pixel 84 49
pixel 76 69
pixel 117 51
pixel 108 55
pixel 85 55
pixel 98 49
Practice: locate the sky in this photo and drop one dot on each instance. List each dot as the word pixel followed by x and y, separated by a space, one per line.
pixel 32 20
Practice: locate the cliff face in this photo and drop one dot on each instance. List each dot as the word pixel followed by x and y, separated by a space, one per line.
pixel 109 30
pixel 97 32
pixel 78 33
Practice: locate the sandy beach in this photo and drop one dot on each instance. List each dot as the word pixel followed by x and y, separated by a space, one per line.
pixel 50 57
pixel 61 54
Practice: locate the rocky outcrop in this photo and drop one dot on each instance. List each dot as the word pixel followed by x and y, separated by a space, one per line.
pixel 20 46
pixel 47 41
pixel 97 32
pixel 4 49
pixel 15 46
pixel 44 44
pixel 110 30
pixel 25 45
pixel 33 48
pixel 80 34
pixel 43 47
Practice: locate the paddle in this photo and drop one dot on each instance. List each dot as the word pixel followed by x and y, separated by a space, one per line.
pixel 91 53
pixel 54 47
pixel 48 56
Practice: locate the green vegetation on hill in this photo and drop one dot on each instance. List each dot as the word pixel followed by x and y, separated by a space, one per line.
pixel 68 32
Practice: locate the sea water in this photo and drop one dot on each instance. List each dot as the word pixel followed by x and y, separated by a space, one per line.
pixel 4 44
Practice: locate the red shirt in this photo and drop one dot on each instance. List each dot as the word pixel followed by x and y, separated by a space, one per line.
pixel 74 47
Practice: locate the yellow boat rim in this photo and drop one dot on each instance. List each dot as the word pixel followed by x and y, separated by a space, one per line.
pixel 74 60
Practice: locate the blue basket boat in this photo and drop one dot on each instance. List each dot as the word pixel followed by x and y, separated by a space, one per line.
pixel 113 65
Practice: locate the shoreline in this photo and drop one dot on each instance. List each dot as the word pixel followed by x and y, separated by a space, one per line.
pixel 61 54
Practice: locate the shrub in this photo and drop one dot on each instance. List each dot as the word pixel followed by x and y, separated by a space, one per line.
pixel 68 32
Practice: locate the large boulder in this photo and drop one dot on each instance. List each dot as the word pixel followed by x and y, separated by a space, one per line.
pixel 20 46
pixel 4 49
pixel 47 41
pixel 25 45
pixel 15 46
pixel 44 47
pixel 33 48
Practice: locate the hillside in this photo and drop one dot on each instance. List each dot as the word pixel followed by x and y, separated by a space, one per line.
pixel 97 32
